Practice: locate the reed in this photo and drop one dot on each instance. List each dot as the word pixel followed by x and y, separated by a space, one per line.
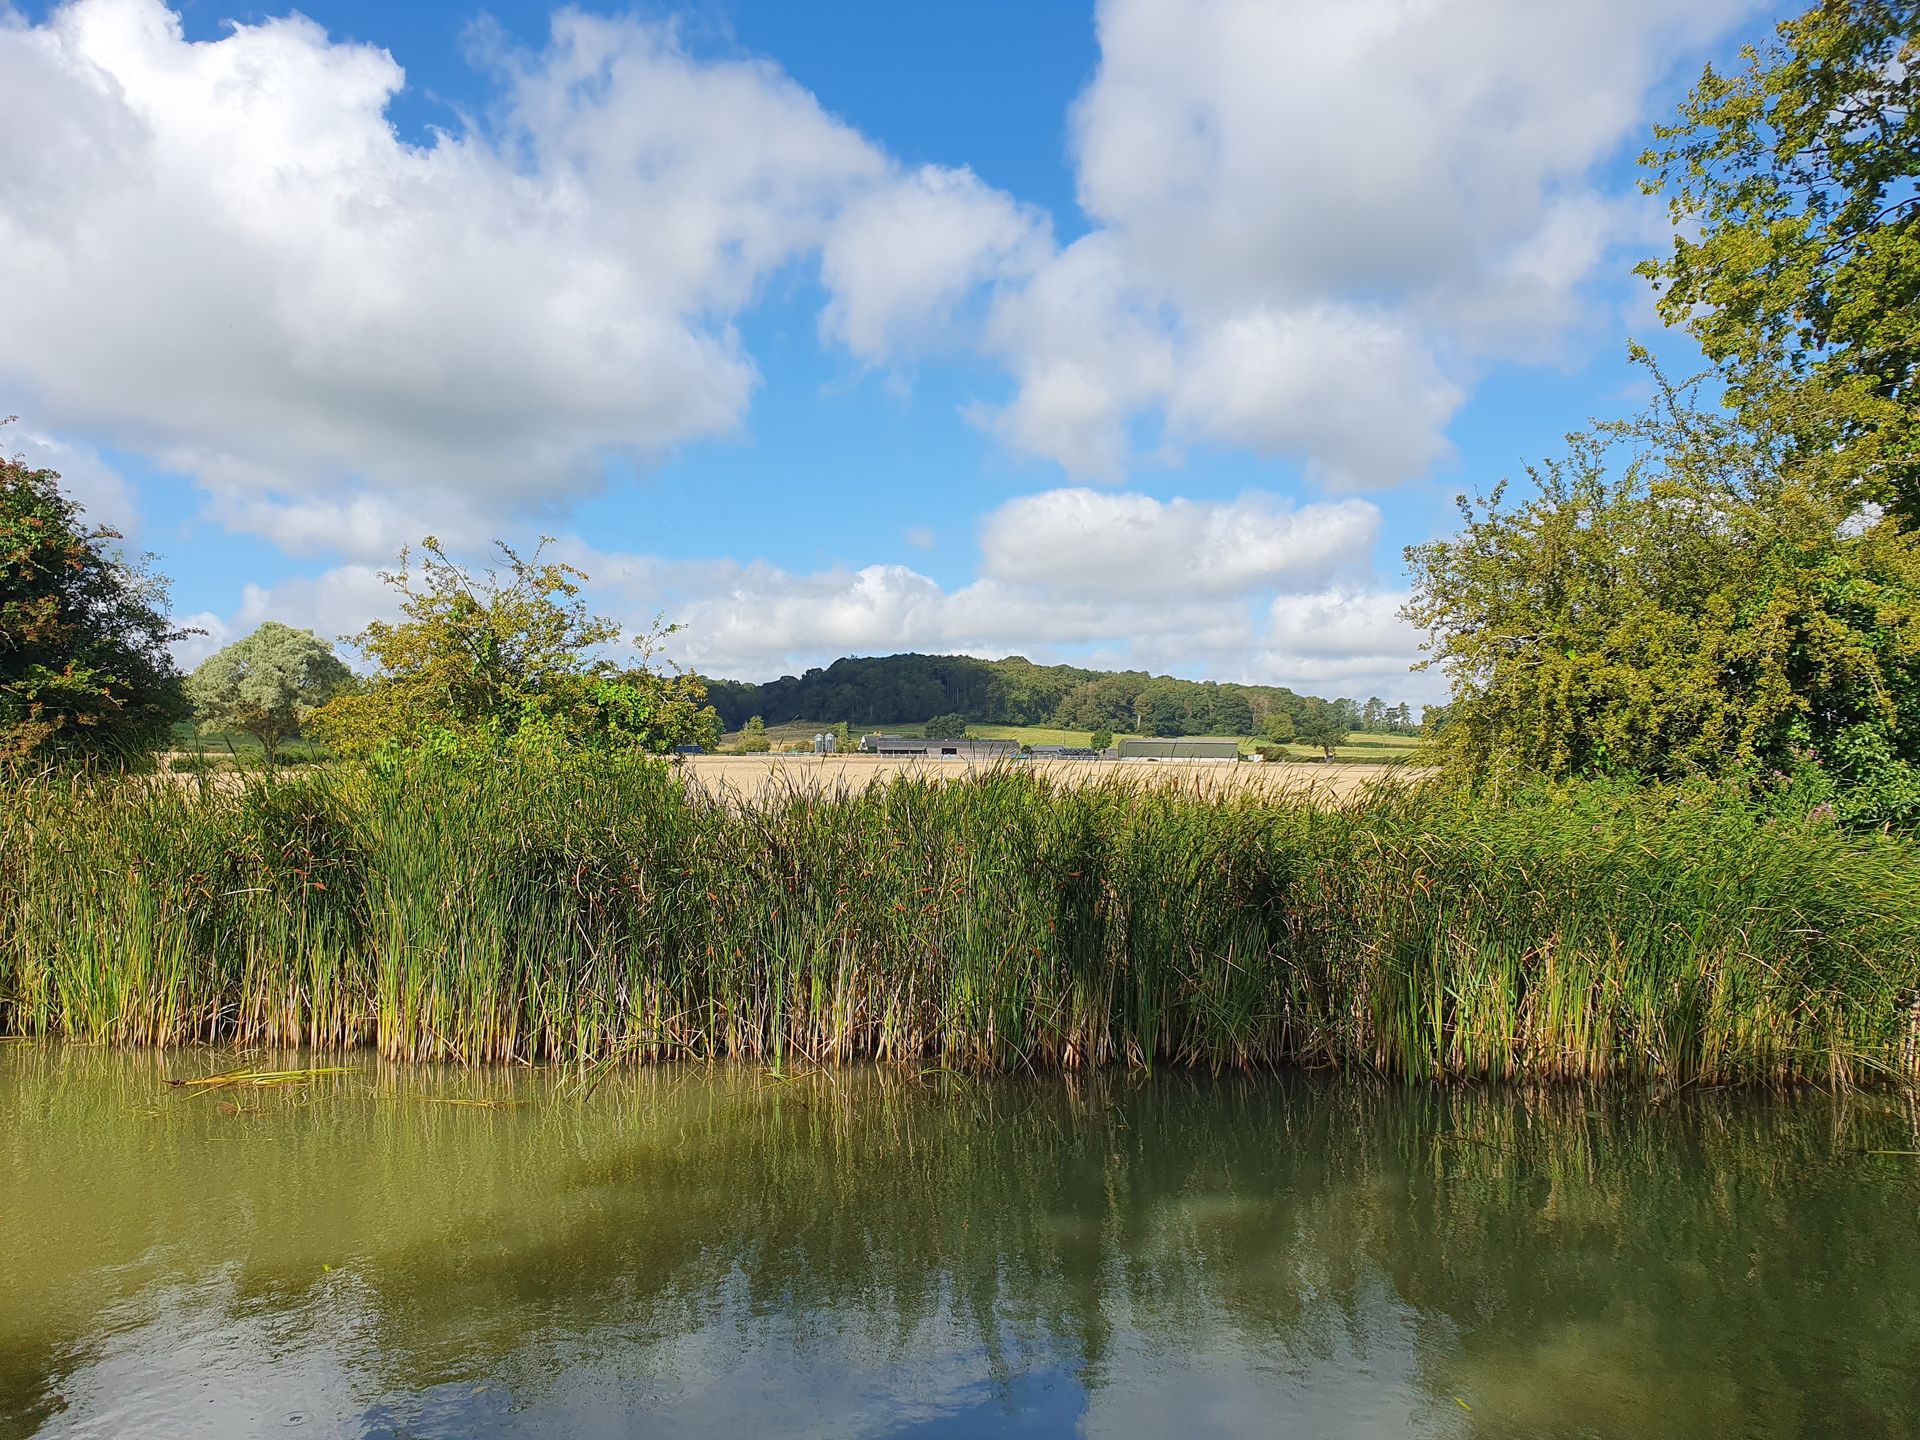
pixel 592 914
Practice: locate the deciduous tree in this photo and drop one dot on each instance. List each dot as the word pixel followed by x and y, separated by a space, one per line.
pixel 1796 258
pixel 1323 723
pixel 1672 598
pixel 85 671
pixel 268 684
pixel 511 656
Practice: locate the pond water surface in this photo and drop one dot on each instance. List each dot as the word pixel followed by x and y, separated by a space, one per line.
pixel 423 1252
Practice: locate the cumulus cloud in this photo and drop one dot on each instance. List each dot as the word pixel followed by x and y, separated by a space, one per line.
pixel 1309 227
pixel 1250 152
pixel 763 621
pixel 901 258
pixel 1333 212
pixel 1251 589
pixel 1350 390
pixel 334 604
pixel 1100 545
pixel 1088 347
pixel 222 254
pixel 1343 629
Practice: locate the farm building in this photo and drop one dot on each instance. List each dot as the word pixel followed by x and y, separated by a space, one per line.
pixel 1062 752
pixel 940 749
pixel 1185 747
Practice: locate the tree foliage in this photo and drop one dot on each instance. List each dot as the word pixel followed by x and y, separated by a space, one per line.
pixel 947 727
pixel 1791 183
pixel 1324 723
pixel 1673 598
pixel 753 737
pixel 267 684
pixel 510 657
pixel 85 670
pixel 1014 691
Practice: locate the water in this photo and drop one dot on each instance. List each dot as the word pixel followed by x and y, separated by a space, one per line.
pixel 870 1253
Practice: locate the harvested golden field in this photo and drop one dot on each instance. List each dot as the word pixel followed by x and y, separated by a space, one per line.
pixel 749 776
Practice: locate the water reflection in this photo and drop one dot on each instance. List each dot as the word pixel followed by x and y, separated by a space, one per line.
pixel 868 1253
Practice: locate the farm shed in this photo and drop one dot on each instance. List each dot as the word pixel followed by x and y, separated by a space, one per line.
pixel 914 747
pixel 1184 747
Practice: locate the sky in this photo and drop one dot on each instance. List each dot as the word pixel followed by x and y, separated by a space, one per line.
pixel 1142 334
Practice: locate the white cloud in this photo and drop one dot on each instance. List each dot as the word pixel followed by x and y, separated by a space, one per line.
pixel 222 254
pixel 1312 224
pixel 1250 152
pixel 256 279
pixel 1343 631
pixel 1102 545
pixel 1351 390
pixel 760 621
pixel 85 475
pixel 901 258
pixel 1276 596
pixel 336 603
pixel 1251 589
pixel 359 524
pixel 1088 348
pixel 1323 217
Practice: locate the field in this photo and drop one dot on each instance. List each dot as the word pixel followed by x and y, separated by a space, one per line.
pixel 1359 748
pixel 754 777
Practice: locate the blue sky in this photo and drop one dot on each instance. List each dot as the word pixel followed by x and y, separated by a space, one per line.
pixel 1145 333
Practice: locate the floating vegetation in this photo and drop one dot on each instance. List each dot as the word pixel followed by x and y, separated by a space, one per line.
pixel 605 914
pixel 256 1079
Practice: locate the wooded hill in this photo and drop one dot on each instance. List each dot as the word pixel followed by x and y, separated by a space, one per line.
pixel 1015 691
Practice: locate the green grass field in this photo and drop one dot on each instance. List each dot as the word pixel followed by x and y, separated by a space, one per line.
pixel 1359 749
pixel 1035 734
pixel 217 747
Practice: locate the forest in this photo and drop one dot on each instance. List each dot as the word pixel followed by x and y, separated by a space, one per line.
pixel 911 688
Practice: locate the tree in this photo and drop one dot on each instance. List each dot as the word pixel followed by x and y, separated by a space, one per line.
pixel 947 727
pixel 1101 739
pixel 753 737
pixel 1279 728
pixel 1324 723
pixel 84 666
pixel 1232 714
pixel 1797 252
pixel 511 657
pixel 1400 719
pixel 1373 715
pixel 1675 598
pixel 267 684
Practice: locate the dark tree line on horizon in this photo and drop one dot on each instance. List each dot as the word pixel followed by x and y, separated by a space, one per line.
pixel 914 688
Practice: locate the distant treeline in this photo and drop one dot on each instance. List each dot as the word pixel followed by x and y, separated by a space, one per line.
pixel 1015 691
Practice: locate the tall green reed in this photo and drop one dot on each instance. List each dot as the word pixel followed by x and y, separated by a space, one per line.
pixel 581 912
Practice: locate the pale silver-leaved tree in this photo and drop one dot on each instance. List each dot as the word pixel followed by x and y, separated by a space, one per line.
pixel 267 684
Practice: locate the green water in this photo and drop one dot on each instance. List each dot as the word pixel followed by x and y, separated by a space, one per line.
pixel 866 1253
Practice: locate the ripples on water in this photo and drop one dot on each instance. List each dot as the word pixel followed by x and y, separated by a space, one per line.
pixel 870 1253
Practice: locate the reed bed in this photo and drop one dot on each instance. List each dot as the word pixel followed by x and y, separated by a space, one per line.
pixel 593 914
